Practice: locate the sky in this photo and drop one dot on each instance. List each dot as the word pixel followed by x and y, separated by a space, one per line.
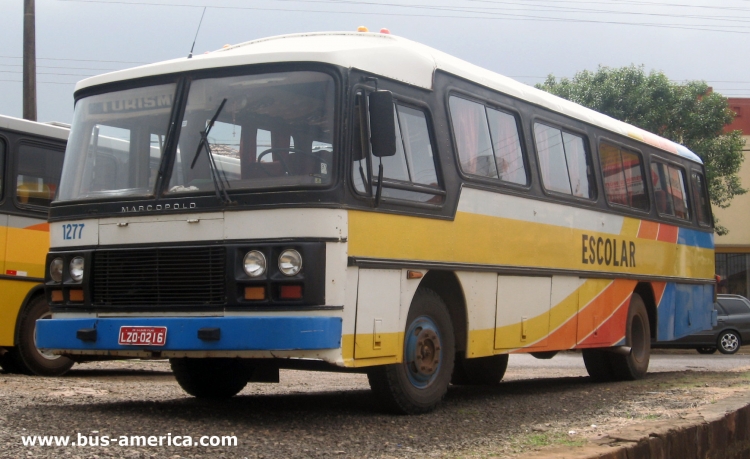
pixel 524 39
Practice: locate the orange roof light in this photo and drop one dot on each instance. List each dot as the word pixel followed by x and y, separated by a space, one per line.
pixel 362 29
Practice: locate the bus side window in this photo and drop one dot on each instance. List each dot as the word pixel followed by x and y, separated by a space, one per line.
pixel 487 141
pixel 623 177
pixel 565 164
pixel 413 163
pixel 670 190
pixel 472 138
pixel 700 199
pixel 37 174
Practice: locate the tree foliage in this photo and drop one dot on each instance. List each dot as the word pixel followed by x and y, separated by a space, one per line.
pixel 688 113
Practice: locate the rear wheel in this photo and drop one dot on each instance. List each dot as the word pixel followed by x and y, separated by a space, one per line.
pixel 420 382
pixel 609 366
pixel 211 378
pixel 706 350
pixel 482 371
pixel 31 360
pixel 728 342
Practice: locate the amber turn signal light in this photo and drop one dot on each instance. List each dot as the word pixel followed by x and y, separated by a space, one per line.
pixel 56 296
pixel 255 293
pixel 76 295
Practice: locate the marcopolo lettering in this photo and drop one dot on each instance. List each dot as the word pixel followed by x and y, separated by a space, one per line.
pixel 159 207
pixel 605 251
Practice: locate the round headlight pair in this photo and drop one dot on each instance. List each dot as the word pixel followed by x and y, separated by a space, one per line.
pixel 76 269
pixel 254 264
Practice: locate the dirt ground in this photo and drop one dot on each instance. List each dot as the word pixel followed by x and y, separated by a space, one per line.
pixel 334 415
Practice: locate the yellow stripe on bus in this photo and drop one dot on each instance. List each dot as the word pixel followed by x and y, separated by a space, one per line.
pixel 480 239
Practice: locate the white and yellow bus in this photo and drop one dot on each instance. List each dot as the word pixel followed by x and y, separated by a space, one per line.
pixel 31 158
pixel 361 202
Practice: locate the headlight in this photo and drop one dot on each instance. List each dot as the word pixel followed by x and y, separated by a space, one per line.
pixel 76 269
pixel 254 263
pixel 290 262
pixel 56 269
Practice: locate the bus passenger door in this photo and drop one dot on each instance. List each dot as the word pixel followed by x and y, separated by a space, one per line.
pixel 523 309
pixel 377 332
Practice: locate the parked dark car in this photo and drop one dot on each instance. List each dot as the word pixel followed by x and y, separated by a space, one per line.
pixel 732 329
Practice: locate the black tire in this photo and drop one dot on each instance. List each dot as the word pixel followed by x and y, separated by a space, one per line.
pixel 638 337
pixel 211 377
pixel 481 371
pixel 729 342
pixel 9 364
pixel 609 366
pixel 411 387
pixel 706 350
pixel 597 365
pixel 31 360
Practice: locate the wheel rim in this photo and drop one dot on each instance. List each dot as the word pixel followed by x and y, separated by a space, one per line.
pixel 729 342
pixel 423 354
pixel 638 346
pixel 46 355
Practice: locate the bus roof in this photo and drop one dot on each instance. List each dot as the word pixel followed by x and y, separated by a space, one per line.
pixel 33 127
pixel 390 56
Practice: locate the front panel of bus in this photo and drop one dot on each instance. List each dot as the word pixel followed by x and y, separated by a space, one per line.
pixel 199 215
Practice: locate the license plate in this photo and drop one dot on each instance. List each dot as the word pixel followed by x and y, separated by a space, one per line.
pixel 142 336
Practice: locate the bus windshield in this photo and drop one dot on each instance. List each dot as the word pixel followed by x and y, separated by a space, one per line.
pixel 272 130
pixel 116 143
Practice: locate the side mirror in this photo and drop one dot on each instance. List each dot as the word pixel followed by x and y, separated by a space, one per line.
pixel 382 125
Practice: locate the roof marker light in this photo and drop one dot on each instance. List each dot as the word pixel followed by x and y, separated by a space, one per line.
pixel 362 29
pixel 385 31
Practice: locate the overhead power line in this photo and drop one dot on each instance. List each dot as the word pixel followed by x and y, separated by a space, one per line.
pixel 493 16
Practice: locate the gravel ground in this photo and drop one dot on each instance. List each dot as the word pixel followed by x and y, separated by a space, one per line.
pixel 334 415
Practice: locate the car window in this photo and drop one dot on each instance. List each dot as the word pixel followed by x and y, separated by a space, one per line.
pixel 734 306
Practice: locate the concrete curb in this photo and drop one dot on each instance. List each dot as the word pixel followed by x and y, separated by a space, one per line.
pixel 717 431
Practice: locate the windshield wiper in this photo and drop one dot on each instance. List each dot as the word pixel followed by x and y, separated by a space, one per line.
pixel 219 186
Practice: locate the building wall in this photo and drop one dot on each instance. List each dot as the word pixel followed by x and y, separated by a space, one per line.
pixel 733 250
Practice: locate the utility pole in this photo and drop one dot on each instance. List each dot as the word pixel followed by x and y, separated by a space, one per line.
pixel 29 61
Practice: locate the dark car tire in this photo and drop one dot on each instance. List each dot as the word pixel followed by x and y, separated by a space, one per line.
pixel 729 342
pixel 31 360
pixel 706 350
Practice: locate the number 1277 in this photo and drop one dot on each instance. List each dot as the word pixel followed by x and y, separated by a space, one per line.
pixel 72 230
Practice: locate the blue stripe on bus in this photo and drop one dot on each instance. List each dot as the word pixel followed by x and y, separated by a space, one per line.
pixel 683 310
pixel 237 333
pixel 695 238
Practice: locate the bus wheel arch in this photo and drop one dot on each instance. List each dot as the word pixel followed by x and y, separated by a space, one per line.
pixel 646 292
pixel 447 286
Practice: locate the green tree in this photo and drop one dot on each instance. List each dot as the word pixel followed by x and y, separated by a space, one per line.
pixel 688 113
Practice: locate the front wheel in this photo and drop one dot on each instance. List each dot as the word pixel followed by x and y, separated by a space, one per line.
pixel 728 342
pixel 28 358
pixel 211 377
pixel 420 382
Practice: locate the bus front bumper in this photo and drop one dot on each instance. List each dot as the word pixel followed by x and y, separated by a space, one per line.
pixel 192 334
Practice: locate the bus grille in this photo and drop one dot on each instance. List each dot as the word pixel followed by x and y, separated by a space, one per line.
pixel 191 276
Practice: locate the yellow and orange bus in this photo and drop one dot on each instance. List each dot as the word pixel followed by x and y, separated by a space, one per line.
pixel 361 202
pixel 31 157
